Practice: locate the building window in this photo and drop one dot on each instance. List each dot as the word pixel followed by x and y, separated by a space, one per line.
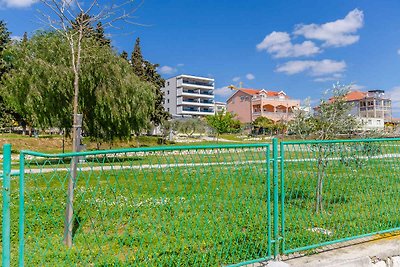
pixel 168 92
pixel 241 98
pixel 167 83
pixel 168 109
pixel 167 100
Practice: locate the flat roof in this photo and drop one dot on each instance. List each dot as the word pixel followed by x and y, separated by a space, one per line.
pixel 194 77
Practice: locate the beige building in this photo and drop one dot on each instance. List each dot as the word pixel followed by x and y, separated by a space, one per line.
pixel 249 104
pixel 373 108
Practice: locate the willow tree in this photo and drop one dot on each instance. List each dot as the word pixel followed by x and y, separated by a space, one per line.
pixel 113 100
pixel 72 19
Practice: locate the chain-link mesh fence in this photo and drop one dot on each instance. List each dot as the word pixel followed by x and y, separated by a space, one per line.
pixel 199 206
pixel 338 190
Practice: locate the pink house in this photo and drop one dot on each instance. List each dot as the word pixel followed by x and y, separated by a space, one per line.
pixel 249 104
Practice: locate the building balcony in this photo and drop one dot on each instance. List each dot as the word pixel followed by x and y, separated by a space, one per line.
pixel 196 104
pixel 275 102
pixel 194 84
pixel 191 110
pixel 275 116
pixel 195 93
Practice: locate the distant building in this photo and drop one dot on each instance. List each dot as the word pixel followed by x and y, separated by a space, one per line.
pixel 219 106
pixel 373 108
pixel 187 95
pixel 249 104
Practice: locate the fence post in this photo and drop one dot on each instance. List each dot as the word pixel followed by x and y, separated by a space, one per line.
pixel 282 158
pixel 21 209
pixel 269 200
pixel 6 205
pixel 276 195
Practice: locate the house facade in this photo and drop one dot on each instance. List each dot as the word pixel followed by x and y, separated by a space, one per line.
pixel 373 108
pixel 188 96
pixel 249 104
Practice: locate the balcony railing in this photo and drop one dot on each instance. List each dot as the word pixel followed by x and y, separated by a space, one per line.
pixel 190 109
pixel 207 110
pixel 195 93
pixel 192 82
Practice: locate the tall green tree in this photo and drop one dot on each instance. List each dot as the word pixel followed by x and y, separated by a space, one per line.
pixel 100 36
pixel 124 55
pixel 113 106
pixel 61 16
pixel 5 40
pixel 137 60
pixel 147 71
pixel 7 116
pixel 4 35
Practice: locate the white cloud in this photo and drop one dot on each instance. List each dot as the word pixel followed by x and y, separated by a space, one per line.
pixel 325 79
pixel 223 91
pixel 357 87
pixel 280 45
pixel 334 77
pixel 313 68
pixel 398 51
pixel 250 76
pixel 180 65
pixel 167 70
pixel 17 3
pixel 16 38
pixel 236 79
pixel 394 95
pixel 337 33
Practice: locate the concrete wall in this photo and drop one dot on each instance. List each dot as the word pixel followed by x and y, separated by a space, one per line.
pixel 170 95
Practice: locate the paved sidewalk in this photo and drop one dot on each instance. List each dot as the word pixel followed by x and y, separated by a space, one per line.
pixel 382 251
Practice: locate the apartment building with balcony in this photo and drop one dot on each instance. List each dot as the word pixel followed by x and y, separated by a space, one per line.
pixel 187 95
pixel 373 108
pixel 219 106
pixel 249 104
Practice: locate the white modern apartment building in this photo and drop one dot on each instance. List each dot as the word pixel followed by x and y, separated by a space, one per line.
pixel 187 95
pixel 219 106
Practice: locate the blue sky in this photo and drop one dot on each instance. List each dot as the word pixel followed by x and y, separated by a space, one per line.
pixel 300 47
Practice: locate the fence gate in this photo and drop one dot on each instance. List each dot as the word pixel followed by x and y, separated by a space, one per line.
pixel 163 206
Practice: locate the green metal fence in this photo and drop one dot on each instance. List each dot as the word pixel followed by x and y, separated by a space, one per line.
pixel 171 206
pixel 334 191
pixel 200 205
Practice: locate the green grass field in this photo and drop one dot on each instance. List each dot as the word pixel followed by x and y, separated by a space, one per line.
pixel 204 207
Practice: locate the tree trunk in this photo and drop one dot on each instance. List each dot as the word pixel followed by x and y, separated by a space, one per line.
pixel 77 124
pixel 319 207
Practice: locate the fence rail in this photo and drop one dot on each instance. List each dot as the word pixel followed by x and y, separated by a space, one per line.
pixel 192 206
pixel 200 205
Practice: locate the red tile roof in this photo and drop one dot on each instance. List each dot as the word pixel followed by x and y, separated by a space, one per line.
pixel 249 91
pixel 255 91
pixel 355 95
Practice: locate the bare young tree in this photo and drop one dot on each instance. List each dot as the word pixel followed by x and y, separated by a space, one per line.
pixel 332 119
pixel 74 19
